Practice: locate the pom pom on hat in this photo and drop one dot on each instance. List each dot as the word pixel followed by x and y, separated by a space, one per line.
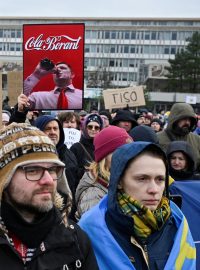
pixel 107 140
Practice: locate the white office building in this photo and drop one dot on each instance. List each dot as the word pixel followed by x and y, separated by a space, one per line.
pixel 119 52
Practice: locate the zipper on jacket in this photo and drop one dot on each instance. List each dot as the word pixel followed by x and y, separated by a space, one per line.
pixel 143 249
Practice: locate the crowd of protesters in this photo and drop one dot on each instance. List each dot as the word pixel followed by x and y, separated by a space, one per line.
pixel 115 185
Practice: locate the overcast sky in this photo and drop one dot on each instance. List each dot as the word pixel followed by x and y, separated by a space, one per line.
pixel 101 8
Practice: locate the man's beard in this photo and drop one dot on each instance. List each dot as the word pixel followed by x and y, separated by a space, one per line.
pixel 24 206
pixel 182 131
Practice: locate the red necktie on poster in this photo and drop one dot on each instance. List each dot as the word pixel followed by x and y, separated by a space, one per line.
pixel 62 100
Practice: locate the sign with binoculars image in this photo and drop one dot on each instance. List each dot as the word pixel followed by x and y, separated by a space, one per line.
pixel 53 61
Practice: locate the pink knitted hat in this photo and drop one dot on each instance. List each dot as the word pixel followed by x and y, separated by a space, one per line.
pixel 108 139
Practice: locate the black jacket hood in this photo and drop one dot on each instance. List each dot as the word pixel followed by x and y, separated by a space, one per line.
pixel 185 148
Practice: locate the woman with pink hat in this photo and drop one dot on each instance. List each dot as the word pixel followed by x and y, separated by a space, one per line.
pixel 94 183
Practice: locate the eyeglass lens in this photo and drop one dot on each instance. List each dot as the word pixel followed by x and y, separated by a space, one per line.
pixel 36 173
pixel 90 127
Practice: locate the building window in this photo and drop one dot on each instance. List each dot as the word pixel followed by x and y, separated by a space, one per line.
pixel 112 49
pixel 133 35
pixel 93 48
pixel 153 35
pixel 147 36
pixel 87 34
pixel 112 63
pixel 106 48
pixel 166 50
pixel 127 35
pixel 125 62
pixel 6 33
pixel 124 77
pixel 107 34
pixel 113 35
pixel 131 63
pixel 132 49
pixel 1 33
pixel 146 49
pixel 126 49
pixel 173 50
pixel 12 33
pixel 167 36
pixel 87 48
pixel 174 35
pixel 94 34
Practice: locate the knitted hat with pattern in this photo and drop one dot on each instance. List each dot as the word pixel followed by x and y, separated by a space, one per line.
pixel 22 144
pixel 108 139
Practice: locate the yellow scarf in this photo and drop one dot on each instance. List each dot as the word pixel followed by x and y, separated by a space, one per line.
pixel 145 221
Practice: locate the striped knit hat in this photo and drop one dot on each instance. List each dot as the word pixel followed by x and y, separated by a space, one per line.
pixel 22 144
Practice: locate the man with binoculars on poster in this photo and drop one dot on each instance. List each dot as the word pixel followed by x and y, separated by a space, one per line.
pixel 64 95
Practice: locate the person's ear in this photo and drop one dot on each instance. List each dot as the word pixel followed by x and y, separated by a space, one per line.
pixel 72 75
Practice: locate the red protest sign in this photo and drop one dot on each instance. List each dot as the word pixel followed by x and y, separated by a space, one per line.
pixel 53 62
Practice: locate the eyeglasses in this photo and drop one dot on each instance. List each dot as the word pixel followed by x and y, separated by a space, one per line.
pixel 35 173
pixel 90 127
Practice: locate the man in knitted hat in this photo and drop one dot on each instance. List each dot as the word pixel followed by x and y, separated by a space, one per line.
pixel 34 225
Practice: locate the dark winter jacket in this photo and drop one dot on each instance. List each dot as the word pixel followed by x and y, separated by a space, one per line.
pixel 178 112
pixel 189 172
pixel 84 153
pixel 63 248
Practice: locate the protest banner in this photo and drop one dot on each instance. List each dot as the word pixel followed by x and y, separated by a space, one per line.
pixel 120 98
pixel 15 86
pixel 45 47
pixel 72 136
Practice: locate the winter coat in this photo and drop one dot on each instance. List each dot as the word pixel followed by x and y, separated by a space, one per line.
pixel 84 153
pixel 110 254
pixel 178 112
pixel 188 173
pixel 113 237
pixel 88 193
pixel 63 248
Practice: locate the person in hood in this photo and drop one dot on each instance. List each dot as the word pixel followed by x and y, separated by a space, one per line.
pixel 84 150
pixel 181 124
pixel 124 119
pixel 182 162
pixel 35 231
pixel 136 226
pixel 53 129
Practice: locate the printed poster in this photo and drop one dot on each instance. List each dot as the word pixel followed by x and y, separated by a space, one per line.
pixel 53 60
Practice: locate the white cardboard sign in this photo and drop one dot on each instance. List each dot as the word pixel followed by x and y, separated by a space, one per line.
pixel 72 136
